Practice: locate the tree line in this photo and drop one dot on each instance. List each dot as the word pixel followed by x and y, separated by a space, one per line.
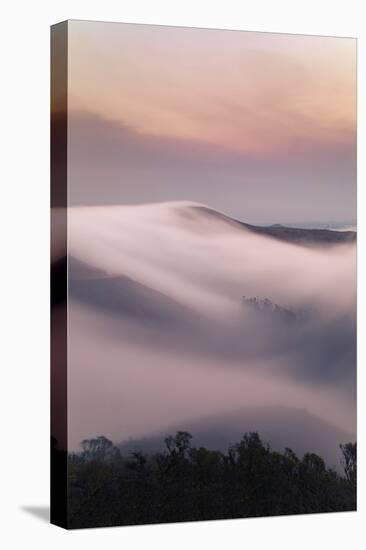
pixel 186 483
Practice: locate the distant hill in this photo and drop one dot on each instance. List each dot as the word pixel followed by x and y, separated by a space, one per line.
pixel 121 296
pixel 295 235
pixel 301 236
pixel 280 426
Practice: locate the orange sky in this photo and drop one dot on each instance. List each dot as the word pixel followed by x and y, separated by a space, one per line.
pixel 245 91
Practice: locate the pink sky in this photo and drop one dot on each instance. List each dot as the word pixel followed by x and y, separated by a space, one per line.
pixel 259 125
pixel 245 91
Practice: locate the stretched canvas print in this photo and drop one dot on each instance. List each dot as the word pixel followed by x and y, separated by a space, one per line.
pixel 203 274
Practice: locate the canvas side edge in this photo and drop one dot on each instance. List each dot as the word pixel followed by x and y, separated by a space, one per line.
pixel 59 65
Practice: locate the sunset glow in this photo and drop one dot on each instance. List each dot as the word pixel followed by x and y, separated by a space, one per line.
pixel 245 91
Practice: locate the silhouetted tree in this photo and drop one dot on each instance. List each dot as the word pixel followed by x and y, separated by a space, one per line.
pixel 179 444
pixel 186 483
pixel 349 452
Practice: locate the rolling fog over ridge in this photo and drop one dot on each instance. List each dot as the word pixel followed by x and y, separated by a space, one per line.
pixel 199 348
pixel 210 305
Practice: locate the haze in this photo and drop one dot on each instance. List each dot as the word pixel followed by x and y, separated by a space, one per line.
pixel 158 332
pixel 175 136
pixel 260 125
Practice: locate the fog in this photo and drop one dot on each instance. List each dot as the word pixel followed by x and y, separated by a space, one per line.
pixel 159 332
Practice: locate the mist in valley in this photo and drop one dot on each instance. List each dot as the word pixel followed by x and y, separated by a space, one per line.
pixel 179 314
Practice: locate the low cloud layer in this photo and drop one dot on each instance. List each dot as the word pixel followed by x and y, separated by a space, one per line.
pixel 159 330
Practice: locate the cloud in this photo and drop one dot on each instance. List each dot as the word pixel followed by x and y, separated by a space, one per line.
pixel 251 92
pixel 112 163
pixel 159 312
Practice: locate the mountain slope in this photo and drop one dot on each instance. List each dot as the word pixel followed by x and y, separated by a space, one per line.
pixel 295 235
pixel 304 237
pixel 280 426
